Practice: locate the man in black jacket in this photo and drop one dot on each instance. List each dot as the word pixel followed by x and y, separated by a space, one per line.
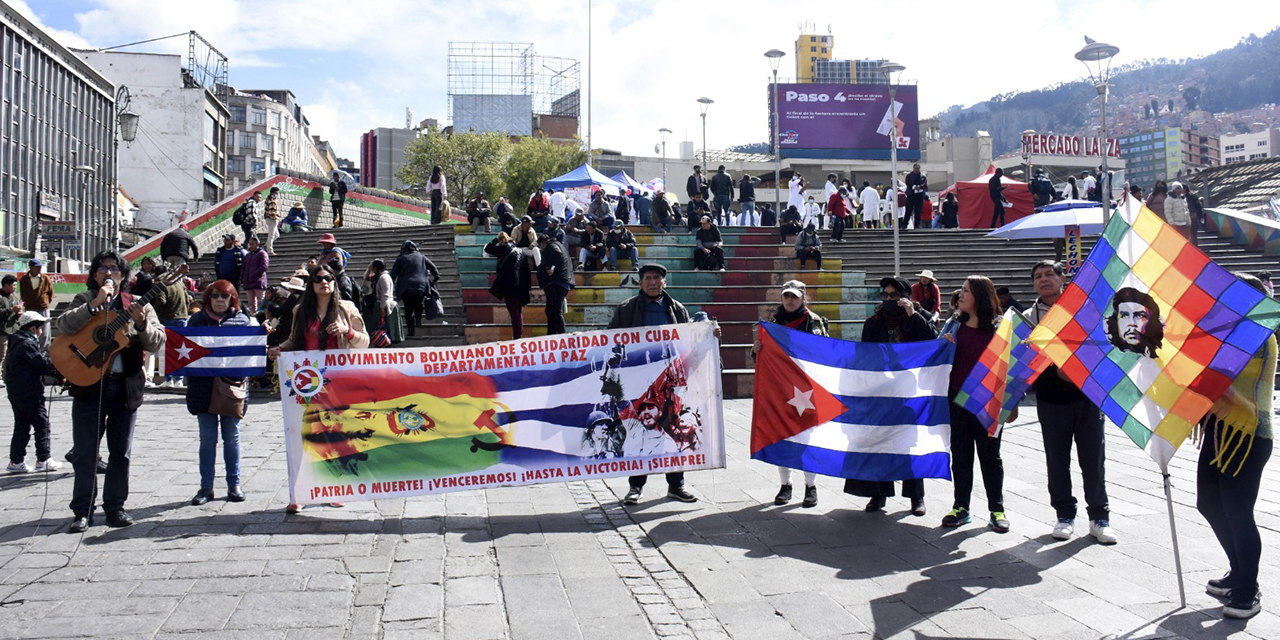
pixel 998 202
pixel 697 208
pixel 175 246
pixel 696 183
pixel 622 242
pixel 721 187
pixel 594 251
pixel 747 201
pixel 555 274
pixel 652 307
pixel 917 185
pixel 708 255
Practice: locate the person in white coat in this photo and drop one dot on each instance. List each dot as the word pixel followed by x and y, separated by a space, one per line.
pixel 557 204
pixel 870 199
pixel 796 196
pixel 812 214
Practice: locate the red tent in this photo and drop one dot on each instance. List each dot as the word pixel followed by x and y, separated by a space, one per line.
pixel 975 200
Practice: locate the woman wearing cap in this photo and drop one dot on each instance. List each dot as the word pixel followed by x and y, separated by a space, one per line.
pixel 795 313
pixel 221 309
pixel 322 321
pixel 895 319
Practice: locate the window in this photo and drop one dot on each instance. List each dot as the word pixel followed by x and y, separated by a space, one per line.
pixel 237 114
pixel 1262 143
pixel 259 166
pixel 1256 156
pixel 260 117
pixel 268 143
pixel 248 140
pixel 235 164
pixel 231 138
pixel 824 49
pixel 275 119
pixel 813 49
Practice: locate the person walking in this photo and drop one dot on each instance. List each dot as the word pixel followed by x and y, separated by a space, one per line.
pixel 995 188
pixel 322 320
pixel 337 199
pixel 415 276
pixel 555 275
pixel 382 311
pixel 439 188
pixel 950 212
pixel 895 319
pixel 795 313
pixel 24 373
pixel 653 306
pixel 512 283
pixel 221 308
pixel 36 290
pixel 1229 476
pixel 249 216
pixel 979 312
pixel 837 207
pixel 271 216
pixel 1042 190
pixel 253 275
pixel 10 311
pixel 917 186
pixel 109 408
pixel 747 201
pixel 870 199
pixel 1067 415
pixel 228 260
pixel 178 247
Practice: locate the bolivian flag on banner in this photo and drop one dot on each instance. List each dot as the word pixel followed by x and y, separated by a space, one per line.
pixel 1000 379
pixel 1153 331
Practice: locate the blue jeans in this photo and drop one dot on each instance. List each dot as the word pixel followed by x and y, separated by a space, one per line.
pixel 720 209
pixel 209 448
pixel 748 215
pixel 632 252
pixel 660 227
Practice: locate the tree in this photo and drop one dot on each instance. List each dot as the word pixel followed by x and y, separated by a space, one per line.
pixel 533 160
pixel 1192 96
pixel 470 161
pixel 1147 109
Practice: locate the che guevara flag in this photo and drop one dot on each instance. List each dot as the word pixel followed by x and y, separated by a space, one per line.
pixel 1153 331
pixel 1002 375
pixel 234 352
pixel 860 410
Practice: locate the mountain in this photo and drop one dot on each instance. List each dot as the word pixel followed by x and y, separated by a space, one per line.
pixel 1205 94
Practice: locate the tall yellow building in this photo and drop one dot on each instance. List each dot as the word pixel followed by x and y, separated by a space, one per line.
pixel 810 49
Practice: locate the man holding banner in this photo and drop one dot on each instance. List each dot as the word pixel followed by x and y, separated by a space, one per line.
pixel 1066 414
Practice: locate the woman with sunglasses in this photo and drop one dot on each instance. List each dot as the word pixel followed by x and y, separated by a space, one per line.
pixel 322 320
pixel 221 309
pixel 108 410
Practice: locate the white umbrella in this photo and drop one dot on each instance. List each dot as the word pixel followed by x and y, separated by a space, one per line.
pixel 1053 219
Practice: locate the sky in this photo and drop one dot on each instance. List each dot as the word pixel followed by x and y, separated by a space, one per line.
pixel 355 66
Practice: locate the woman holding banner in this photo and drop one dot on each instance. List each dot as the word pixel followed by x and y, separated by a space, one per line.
pixel 322 321
pixel 213 414
pixel 979 312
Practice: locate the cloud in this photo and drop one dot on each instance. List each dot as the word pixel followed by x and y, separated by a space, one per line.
pixel 356 66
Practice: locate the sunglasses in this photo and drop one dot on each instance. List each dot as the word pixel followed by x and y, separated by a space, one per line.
pixel 885 295
pixel 319 279
pixel 109 269
pixel 213 295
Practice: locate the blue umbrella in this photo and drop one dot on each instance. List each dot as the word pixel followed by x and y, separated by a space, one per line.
pixel 1051 221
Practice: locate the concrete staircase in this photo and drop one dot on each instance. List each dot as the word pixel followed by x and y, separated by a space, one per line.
pixel 434 241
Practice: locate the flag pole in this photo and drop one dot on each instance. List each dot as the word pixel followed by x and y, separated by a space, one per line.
pixel 1173 531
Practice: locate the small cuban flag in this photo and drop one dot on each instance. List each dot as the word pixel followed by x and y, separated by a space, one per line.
pixel 857 410
pixel 234 352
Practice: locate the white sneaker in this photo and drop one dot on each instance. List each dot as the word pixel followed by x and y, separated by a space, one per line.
pixel 1064 529
pixel 48 465
pixel 18 467
pixel 1101 530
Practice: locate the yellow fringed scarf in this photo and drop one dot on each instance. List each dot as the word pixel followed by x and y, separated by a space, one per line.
pixel 1232 423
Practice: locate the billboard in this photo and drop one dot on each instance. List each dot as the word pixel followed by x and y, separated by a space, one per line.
pixel 846 120
pixel 510 114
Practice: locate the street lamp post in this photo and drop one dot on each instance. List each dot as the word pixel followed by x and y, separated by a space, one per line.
pixel 888 69
pixel 81 212
pixel 127 121
pixel 1026 152
pixel 1096 57
pixel 665 132
pixel 704 102
pixel 775 58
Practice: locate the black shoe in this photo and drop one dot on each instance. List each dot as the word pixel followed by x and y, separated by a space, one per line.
pixel 875 504
pixel 633 496
pixel 119 519
pixel 1220 587
pixel 79 525
pixel 917 506
pixel 235 494
pixel 203 496
pixel 1244 608
pixel 784 495
pixel 810 497
pixel 678 493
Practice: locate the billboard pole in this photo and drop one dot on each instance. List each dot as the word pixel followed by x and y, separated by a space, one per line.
pixel 775 57
pixel 889 68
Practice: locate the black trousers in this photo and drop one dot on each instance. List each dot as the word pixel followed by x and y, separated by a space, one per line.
pixel 413 312
pixel 967 435
pixel 337 212
pixel 869 489
pixel 837 228
pixel 437 206
pixel 248 230
pixel 915 205
pixel 1081 422
pixel 91 416
pixel 997 214
pixel 555 309
pixel 788 229
pixel 29 414
pixel 1226 501
pixel 712 261
pixel 674 480
pixel 804 255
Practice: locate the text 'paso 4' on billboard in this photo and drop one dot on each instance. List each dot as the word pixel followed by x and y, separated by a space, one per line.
pixel 846 116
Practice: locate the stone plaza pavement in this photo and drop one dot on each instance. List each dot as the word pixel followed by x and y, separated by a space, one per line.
pixel 566 561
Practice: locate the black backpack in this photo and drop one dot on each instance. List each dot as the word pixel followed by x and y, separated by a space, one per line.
pixel 237 218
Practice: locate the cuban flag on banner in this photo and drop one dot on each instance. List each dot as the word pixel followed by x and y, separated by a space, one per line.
pixel 234 352
pixel 858 410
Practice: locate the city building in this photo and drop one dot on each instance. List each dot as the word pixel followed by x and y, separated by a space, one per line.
pixel 1255 145
pixel 382 155
pixel 810 49
pixel 58 156
pixel 1063 156
pixel 1167 154
pixel 505 87
pixel 268 131
pixel 816 63
pixel 179 160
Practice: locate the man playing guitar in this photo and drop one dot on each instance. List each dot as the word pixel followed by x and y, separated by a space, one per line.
pixel 109 406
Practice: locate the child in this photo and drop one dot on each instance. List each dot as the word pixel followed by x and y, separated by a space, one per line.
pixel 26 365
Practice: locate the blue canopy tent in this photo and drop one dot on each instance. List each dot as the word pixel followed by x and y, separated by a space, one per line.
pixel 584 176
pixel 636 187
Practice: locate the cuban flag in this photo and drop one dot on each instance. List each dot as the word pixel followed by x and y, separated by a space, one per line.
pixel 858 410
pixel 234 352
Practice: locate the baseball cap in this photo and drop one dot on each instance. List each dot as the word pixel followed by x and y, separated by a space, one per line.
pixel 794 287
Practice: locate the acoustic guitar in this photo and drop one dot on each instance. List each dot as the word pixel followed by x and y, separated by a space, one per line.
pixel 85 356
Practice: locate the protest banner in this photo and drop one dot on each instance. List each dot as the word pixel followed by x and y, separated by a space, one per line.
pixel 384 423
